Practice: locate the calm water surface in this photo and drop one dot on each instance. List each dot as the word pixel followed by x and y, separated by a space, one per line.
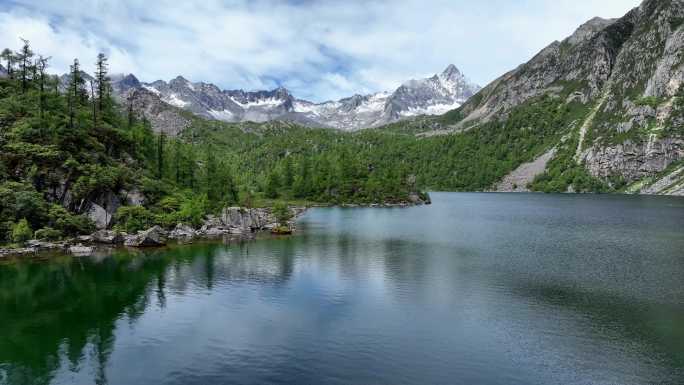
pixel 475 289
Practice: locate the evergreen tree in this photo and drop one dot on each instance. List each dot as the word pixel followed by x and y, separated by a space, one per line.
pixel 177 160
pixel 288 174
pixel 25 60
pixel 41 65
pixel 8 56
pixel 272 185
pixel 160 155
pixel 76 94
pixel 103 83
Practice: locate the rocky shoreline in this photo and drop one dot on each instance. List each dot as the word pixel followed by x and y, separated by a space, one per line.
pixel 237 222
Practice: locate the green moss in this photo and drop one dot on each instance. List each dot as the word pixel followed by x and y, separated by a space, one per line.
pixel 650 101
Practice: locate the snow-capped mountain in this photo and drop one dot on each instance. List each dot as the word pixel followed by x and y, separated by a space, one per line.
pixel 432 96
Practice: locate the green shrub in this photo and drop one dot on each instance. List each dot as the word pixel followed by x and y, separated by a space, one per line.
pixel 193 209
pixel 282 213
pixel 650 101
pixel 133 218
pixel 21 231
pixel 70 224
pixel 48 233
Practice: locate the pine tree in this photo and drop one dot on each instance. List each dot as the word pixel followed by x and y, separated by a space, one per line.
pixel 25 57
pixel 103 83
pixel 93 102
pixel 210 174
pixel 272 185
pixel 130 113
pixel 8 56
pixel 160 155
pixel 41 65
pixel 76 93
pixel 288 174
pixel 177 160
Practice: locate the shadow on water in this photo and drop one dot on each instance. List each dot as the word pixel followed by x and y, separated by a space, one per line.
pixel 659 328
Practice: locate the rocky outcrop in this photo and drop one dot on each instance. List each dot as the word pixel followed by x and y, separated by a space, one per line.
pixel 625 75
pixel 182 231
pixel 155 236
pixel 634 161
pixel 101 210
pixel 671 183
pixel 107 237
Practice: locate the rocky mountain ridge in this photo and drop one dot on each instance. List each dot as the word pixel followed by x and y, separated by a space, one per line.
pixel 430 96
pixel 624 80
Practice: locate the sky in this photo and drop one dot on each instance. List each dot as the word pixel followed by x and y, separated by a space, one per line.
pixel 318 49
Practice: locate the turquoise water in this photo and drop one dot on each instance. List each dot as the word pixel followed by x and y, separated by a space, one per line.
pixel 475 289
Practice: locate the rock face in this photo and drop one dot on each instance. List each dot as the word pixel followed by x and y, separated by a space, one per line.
pixel 628 73
pixel 239 220
pixel 102 210
pixel 161 102
pixel 670 184
pixel 634 161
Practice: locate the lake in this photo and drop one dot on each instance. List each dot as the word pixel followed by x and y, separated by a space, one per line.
pixel 474 289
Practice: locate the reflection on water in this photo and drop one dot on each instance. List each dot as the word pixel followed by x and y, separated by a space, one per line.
pixel 478 288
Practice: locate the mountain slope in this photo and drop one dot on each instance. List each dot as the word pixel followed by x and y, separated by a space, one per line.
pixel 431 96
pixel 624 78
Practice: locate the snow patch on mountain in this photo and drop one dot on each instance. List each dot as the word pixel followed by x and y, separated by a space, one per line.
pixel 436 109
pixel 225 115
pixel 175 101
pixel 152 89
pixel 431 96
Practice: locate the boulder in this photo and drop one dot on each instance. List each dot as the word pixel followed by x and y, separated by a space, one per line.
pixel 182 231
pixel 99 216
pixel 107 237
pixel 154 236
pixel 43 245
pixel 246 219
pixel 85 238
pixel 215 231
pixel 134 198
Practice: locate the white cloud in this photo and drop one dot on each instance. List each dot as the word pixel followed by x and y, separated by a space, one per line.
pixel 319 49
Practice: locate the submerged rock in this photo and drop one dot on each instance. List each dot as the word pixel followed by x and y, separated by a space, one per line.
pixel 81 250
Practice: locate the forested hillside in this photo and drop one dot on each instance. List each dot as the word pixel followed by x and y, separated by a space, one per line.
pixel 72 159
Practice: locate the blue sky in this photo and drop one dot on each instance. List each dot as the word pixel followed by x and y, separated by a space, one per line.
pixel 320 50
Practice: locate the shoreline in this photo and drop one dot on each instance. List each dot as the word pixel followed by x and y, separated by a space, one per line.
pixel 236 224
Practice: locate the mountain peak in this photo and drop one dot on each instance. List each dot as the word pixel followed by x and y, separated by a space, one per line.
pixel 451 71
pixel 587 30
